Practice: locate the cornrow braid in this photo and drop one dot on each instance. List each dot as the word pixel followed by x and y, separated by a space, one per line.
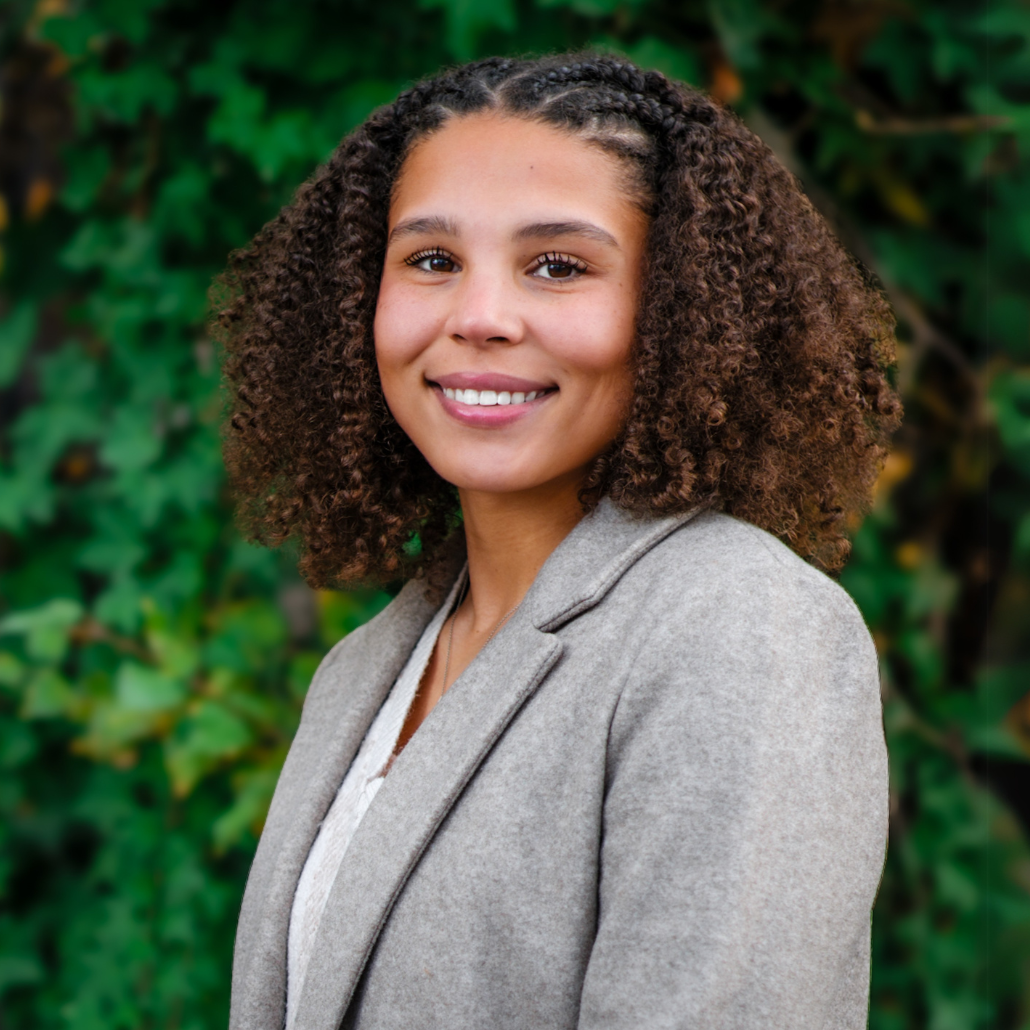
pixel 760 357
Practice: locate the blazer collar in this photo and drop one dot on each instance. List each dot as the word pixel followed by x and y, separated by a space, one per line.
pixel 592 559
pixel 437 763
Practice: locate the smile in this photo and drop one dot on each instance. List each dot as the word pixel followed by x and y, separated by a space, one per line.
pixel 488 398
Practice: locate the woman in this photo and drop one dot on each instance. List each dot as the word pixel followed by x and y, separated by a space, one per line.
pixel 560 343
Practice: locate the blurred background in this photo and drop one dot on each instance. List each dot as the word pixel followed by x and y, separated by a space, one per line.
pixel 152 664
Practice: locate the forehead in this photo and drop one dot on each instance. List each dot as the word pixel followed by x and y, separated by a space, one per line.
pixel 508 168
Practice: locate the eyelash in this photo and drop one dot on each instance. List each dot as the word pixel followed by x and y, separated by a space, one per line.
pixel 560 259
pixel 416 259
pixel 551 258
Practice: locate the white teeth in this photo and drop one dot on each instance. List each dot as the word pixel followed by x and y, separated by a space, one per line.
pixel 488 398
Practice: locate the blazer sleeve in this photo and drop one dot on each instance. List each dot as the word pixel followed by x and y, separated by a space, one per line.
pixel 745 818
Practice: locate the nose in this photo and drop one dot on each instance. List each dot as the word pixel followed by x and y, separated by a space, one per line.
pixel 485 310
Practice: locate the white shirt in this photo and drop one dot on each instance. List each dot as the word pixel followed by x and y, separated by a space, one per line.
pixel 359 787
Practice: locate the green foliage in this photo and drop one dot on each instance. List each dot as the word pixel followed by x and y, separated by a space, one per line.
pixel 152 664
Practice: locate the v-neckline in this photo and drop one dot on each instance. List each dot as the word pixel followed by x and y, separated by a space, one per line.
pixel 433 631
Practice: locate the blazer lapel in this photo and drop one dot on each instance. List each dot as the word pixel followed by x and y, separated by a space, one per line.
pixel 443 755
pixel 348 703
pixel 419 791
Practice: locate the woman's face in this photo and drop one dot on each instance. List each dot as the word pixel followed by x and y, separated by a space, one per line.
pixel 506 310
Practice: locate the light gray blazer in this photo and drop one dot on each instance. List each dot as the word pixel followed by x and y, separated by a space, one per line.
pixel 657 798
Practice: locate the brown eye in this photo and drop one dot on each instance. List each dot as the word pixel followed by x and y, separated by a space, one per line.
pixel 432 261
pixel 558 266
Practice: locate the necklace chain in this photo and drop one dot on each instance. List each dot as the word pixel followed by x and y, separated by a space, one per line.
pixel 454 619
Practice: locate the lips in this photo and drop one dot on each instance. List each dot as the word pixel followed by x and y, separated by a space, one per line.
pixel 490 389
pixel 488 399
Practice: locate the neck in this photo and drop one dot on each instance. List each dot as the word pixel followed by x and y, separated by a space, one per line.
pixel 509 537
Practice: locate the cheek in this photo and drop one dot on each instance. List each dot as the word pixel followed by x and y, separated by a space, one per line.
pixel 388 331
pixel 404 326
pixel 596 342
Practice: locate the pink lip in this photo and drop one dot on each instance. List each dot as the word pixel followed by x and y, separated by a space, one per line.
pixel 492 416
pixel 488 381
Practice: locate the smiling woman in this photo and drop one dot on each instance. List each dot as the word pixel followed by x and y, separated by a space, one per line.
pixel 614 756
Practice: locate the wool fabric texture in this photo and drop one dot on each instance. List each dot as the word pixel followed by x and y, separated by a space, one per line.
pixel 657 798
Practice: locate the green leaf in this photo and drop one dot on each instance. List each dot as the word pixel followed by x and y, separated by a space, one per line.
pixel 340 613
pixel 17 744
pixel 675 61
pixel 45 629
pixel 999 688
pixel 244 635
pixel 740 25
pixel 131 443
pixel 1010 398
pixel 254 790
pixel 19 971
pixel 47 695
pixel 140 688
pixel 12 671
pixel 466 20
pixel 17 331
pixel 204 740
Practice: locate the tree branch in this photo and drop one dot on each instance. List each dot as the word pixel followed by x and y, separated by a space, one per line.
pixel 960 123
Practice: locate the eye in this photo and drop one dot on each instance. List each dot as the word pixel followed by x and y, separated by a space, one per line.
pixel 558 267
pixel 435 260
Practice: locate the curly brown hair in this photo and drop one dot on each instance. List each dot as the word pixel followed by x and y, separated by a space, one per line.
pixel 760 357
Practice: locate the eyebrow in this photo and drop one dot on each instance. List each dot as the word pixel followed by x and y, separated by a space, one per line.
pixel 435 225
pixel 552 230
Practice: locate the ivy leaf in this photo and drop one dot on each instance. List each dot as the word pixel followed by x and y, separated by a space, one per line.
pixel 19 971
pixel 139 688
pixel 208 737
pixel 466 20
pixel 47 695
pixel 16 333
pixel 44 629
pixel 1010 398
pixel 254 788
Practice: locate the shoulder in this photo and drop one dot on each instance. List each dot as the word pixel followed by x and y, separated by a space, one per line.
pixel 744 661
pixel 719 568
pixel 724 619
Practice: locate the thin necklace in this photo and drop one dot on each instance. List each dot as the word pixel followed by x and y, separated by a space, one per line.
pixel 450 635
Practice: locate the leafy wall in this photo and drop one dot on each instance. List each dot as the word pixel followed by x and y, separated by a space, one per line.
pixel 152 664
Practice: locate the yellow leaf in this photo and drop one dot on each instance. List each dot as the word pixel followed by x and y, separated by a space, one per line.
pixel 38 197
pixel 900 198
pixel 910 555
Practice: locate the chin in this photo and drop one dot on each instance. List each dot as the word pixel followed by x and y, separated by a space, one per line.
pixel 492 484
pixel 495 479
